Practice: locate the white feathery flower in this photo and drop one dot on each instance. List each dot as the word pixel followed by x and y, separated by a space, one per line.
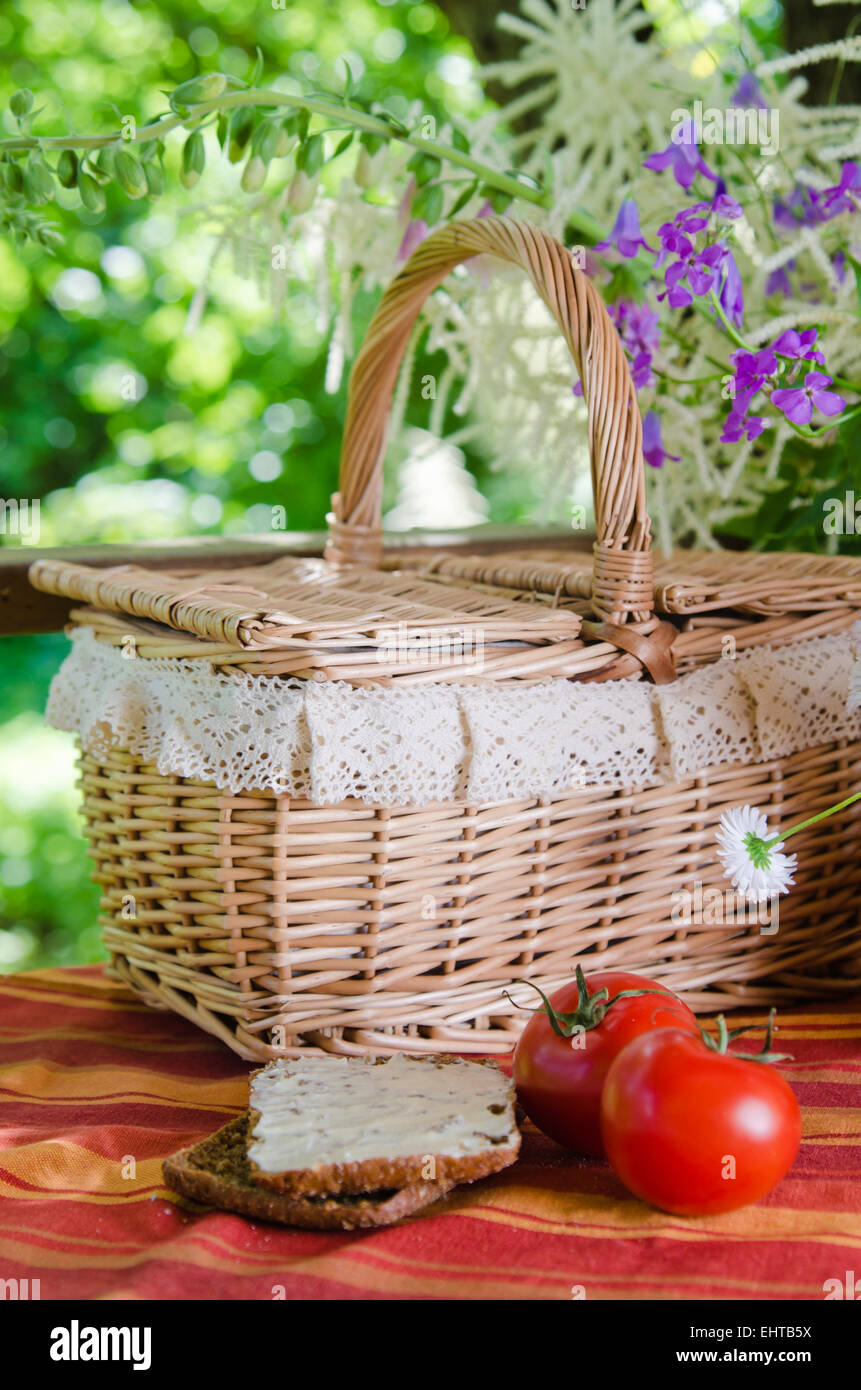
pixel 847 49
pixel 505 361
pixel 754 867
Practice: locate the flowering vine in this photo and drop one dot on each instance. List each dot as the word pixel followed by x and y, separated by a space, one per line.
pixel 699 271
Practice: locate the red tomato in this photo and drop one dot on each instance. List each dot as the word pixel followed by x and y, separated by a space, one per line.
pixel 559 1079
pixel 695 1131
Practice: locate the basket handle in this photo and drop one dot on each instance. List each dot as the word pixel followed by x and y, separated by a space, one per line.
pixel 622 584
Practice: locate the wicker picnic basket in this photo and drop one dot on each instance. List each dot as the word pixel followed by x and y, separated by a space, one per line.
pixel 362 922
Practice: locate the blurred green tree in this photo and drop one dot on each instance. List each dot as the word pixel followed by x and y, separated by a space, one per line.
pixel 123 423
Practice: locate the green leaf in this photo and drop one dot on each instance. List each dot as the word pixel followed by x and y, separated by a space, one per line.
pixel 287 137
pixel 371 142
pixel 459 140
pixel 193 159
pixel 770 518
pixel 13 178
pixel 424 167
pixel 241 128
pixel 311 156
pixel 257 70
pixel 205 88
pixel 397 126
pixel 499 201
pixel 427 204
pixel 856 266
pixel 463 198
pixel 343 144
pixel 38 182
pixel 265 140
pixel 549 173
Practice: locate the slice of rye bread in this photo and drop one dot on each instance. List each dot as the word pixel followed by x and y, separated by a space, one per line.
pixel 352 1124
pixel 216 1172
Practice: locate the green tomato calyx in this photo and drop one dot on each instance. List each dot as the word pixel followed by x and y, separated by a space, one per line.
pixel 591 1008
pixel 726 1035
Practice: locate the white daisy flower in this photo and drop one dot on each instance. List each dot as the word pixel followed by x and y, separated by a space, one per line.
pixel 754 866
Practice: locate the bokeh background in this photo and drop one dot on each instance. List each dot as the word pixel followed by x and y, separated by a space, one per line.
pixel 235 415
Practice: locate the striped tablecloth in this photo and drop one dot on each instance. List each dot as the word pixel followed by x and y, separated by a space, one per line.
pixel 96 1088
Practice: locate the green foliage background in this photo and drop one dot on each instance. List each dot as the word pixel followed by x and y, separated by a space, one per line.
pixel 176 461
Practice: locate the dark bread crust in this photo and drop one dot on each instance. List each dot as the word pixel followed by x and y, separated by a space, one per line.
pixel 367 1174
pixel 216 1172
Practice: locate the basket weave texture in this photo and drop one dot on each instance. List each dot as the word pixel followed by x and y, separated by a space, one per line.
pixel 281 925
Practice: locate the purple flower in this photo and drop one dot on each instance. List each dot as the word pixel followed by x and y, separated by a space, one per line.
pixel 406 203
pixel 797 403
pixel 748 92
pixel 700 268
pixel 704 273
pixel 801 208
pixel 637 325
pixel 752 368
pixel 691 219
pixel 778 282
pixel 673 241
pixel 675 293
pixel 625 236
pixel 725 206
pixel 414 235
pixel 731 296
pixel 653 445
pixel 740 426
pixel 682 155
pixel 791 343
pixel 846 195
pixel 641 370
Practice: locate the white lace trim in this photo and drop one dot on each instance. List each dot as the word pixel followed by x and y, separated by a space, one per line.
pixel 329 741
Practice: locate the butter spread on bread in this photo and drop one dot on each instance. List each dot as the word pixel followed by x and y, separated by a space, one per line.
pixel 334 1123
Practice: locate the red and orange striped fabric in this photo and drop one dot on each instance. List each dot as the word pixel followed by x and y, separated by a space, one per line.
pixel 96 1088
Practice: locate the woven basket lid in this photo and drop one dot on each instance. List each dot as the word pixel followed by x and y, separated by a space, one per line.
pixel 337 620
pixel 468 617
pixel 686 582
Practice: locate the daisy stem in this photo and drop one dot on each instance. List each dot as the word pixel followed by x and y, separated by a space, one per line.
pixel 802 825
